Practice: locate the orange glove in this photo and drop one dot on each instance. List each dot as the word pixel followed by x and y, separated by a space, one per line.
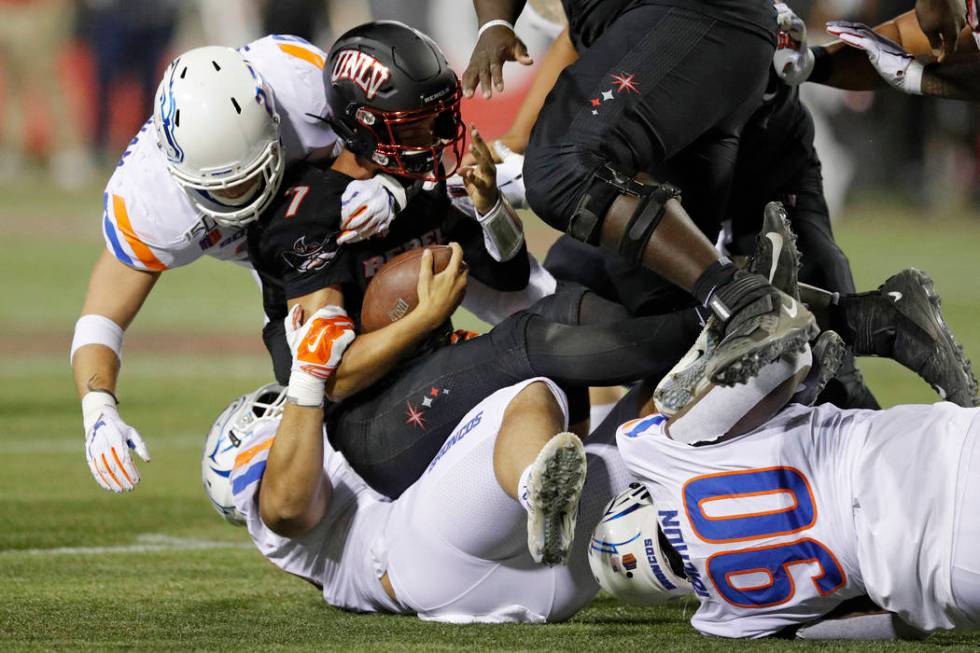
pixel 317 346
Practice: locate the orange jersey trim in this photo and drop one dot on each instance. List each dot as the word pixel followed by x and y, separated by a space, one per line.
pixel 143 253
pixel 246 456
pixel 300 52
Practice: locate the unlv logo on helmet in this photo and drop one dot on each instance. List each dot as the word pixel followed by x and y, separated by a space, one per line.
pixel 362 69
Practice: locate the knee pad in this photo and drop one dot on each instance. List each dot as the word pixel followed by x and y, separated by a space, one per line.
pixel 604 186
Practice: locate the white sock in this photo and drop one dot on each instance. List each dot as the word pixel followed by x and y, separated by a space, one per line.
pixel 599 412
pixel 523 495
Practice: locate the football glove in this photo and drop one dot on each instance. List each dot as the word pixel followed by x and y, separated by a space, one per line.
pixel 108 440
pixel 317 347
pixel 792 60
pixel 368 206
pixel 894 64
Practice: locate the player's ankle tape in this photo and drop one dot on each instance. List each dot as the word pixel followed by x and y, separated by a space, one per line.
pixel 716 275
pixel 305 389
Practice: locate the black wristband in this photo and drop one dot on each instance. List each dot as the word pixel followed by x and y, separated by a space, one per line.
pixel 823 65
pixel 717 274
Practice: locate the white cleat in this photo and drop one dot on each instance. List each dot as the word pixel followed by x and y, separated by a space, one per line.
pixel 553 489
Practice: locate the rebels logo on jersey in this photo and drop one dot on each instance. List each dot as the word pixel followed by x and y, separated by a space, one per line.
pixel 362 69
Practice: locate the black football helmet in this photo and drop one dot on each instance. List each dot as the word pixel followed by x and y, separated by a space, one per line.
pixel 394 100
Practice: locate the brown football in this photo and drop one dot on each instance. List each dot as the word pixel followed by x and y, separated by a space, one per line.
pixel 393 291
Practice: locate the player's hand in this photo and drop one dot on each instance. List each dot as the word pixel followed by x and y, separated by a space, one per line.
pixel 480 179
pixel 941 21
pixel 497 45
pixel 510 178
pixel 108 440
pixel 440 294
pixel 368 206
pixel 895 65
pixel 792 61
pixel 318 344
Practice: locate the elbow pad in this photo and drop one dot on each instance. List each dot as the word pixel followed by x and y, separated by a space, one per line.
pixel 503 232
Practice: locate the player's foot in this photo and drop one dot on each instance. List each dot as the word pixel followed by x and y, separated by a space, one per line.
pixel 552 493
pixel 770 319
pixel 687 378
pixel 847 389
pixel 903 320
pixel 828 354
pixel 776 256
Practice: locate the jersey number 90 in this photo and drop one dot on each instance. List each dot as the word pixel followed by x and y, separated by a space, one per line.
pixel 759 577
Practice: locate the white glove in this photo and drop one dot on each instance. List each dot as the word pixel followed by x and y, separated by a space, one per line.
pixel 792 61
pixel 895 65
pixel 317 347
pixel 108 440
pixel 368 206
pixel 510 181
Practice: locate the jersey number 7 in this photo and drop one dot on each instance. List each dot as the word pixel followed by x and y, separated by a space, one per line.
pixel 759 577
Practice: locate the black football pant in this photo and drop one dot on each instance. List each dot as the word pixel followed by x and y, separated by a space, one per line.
pixel 662 84
pixel 390 432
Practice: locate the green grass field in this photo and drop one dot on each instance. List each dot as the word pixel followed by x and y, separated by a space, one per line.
pixel 157 569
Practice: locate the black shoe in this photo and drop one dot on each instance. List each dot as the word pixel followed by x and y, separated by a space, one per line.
pixel 903 320
pixel 776 256
pixel 828 355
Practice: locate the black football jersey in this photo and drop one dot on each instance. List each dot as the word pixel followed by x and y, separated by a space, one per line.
pixel 294 249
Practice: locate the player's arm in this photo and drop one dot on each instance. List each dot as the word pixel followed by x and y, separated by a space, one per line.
pixel 373 355
pixel 295 492
pixel 560 55
pixel 115 294
pixel 495 250
pixel 854 68
pixel 497 43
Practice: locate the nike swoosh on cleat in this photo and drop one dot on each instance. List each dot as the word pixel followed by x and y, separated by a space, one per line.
pixel 792 309
pixel 895 295
pixel 777 246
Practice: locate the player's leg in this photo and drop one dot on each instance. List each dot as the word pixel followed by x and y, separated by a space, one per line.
pixel 675 79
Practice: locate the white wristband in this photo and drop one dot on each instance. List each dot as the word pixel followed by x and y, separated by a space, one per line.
pixel 913 78
pixel 494 23
pixel 93 403
pixel 96 330
pixel 503 233
pixel 305 389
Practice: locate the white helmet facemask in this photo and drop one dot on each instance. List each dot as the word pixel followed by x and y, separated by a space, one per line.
pixel 228 437
pixel 217 124
pixel 627 556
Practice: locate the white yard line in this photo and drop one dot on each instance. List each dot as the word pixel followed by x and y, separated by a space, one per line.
pixel 146 543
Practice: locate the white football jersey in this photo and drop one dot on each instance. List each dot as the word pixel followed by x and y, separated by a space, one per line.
pixel 148 221
pixel 336 555
pixel 777 527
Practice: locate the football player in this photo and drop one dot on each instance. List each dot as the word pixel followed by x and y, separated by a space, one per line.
pixel 462 545
pixel 226 124
pixel 777 517
pixel 388 424
pixel 657 82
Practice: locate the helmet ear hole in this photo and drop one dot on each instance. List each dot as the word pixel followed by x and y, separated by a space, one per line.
pixel 629 555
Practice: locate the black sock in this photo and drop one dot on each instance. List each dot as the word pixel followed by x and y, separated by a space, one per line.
pixel 717 274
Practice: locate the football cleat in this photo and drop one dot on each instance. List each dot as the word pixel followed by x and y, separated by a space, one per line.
pixel 828 355
pixel 687 378
pixel 776 256
pixel 903 320
pixel 553 489
pixel 773 321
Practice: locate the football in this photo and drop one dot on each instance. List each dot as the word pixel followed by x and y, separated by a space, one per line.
pixel 393 291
